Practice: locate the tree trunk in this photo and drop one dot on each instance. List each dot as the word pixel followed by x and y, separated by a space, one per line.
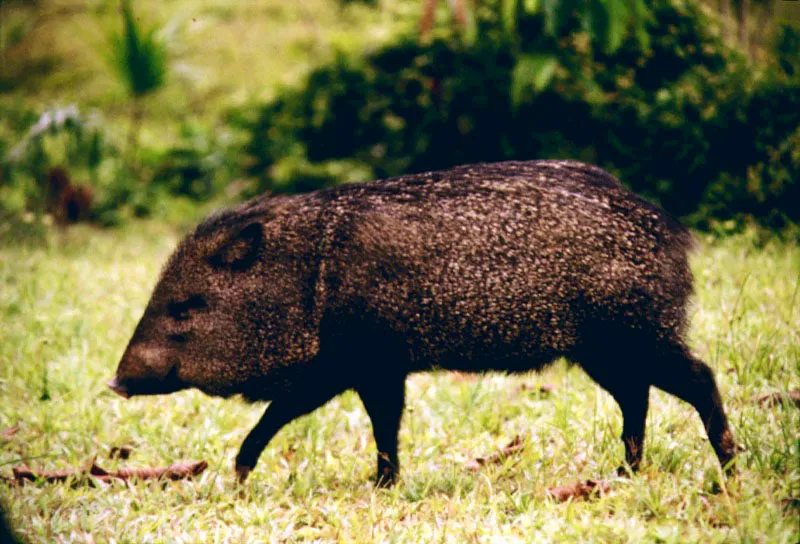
pixel 725 14
pixel 744 26
pixel 428 15
pixel 763 28
pixel 459 12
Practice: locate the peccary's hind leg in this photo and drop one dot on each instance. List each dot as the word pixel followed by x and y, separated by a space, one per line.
pixel 282 410
pixel 681 374
pixel 384 400
pixel 632 395
pixel 633 404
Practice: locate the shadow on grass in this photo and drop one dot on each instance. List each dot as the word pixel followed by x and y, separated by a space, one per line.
pixel 453 484
pixel 15 231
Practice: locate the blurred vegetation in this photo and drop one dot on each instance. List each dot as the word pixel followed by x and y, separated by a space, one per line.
pixel 139 57
pixel 678 115
pixel 694 107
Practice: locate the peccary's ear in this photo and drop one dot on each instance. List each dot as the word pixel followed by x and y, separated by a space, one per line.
pixel 241 250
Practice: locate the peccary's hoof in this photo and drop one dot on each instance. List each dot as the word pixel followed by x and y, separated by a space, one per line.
pixel 730 468
pixel 242 472
pixel 385 483
pixel 386 479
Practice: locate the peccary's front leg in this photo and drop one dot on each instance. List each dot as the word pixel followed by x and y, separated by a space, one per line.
pixel 281 411
pixel 384 400
pixel 632 395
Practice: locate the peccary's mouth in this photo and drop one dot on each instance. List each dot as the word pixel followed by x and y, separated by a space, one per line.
pixel 136 386
pixel 118 388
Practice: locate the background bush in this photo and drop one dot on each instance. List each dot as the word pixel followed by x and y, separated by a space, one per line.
pixel 648 90
pixel 680 117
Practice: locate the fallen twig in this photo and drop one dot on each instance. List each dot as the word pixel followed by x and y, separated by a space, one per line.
pixel 89 475
pixel 774 399
pixel 7 434
pixel 516 445
pixel 579 490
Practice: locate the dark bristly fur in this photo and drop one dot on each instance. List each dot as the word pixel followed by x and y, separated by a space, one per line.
pixel 483 267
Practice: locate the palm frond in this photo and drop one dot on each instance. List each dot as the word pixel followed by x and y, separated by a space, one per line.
pixel 138 55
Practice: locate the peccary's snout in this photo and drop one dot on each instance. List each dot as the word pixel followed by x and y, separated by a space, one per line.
pixel 146 370
pixel 118 388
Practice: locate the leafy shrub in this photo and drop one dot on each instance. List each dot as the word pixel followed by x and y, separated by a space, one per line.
pixel 199 165
pixel 679 116
pixel 81 145
pixel 787 48
pixel 58 137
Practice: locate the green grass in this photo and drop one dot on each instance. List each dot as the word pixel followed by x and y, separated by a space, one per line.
pixel 69 304
pixel 221 53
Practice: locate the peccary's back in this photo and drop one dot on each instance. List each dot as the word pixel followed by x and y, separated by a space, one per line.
pixel 503 265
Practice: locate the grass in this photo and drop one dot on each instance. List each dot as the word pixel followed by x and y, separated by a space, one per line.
pixel 221 53
pixel 68 305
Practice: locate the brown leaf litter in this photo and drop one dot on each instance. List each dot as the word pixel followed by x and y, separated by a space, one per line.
pixel 94 473
pixel 516 445
pixel 776 399
pixel 8 434
pixel 579 490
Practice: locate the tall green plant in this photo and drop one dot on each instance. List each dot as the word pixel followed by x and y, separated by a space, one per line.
pixel 139 57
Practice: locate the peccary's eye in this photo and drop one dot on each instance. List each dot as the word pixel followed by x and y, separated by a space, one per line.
pixel 177 338
pixel 180 311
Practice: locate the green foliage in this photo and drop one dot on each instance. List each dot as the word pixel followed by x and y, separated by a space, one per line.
pixel 534 70
pixel 59 136
pixel 199 165
pixel 603 24
pixel 138 55
pixel 788 50
pixel 63 137
pixel 607 22
pixel 683 119
pixel 770 189
pixel 197 168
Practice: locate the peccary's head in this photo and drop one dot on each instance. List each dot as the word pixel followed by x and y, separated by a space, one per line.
pixel 233 302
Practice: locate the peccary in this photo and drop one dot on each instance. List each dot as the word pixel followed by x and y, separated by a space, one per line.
pixel 487 267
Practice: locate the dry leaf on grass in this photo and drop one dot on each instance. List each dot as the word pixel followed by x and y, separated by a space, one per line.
pixel 288 453
pixel 579 490
pixel 774 399
pixel 88 476
pixel 516 445
pixel 7 434
pixel 464 376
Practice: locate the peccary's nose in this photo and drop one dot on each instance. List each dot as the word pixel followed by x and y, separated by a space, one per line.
pixel 118 388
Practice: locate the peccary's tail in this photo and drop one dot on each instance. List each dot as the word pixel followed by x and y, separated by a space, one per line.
pixel 684 237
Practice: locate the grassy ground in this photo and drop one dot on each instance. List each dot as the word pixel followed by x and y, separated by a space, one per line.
pixel 221 52
pixel 68 306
